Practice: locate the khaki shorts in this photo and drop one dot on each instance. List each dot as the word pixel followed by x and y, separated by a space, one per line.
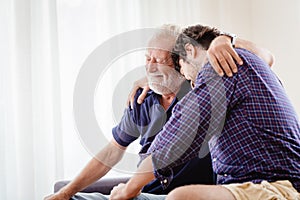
pixel 279 190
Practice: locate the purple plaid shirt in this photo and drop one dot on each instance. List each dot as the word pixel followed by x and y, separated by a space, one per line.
pixel 248 122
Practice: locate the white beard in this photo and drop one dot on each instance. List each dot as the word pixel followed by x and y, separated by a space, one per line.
pixel 165 85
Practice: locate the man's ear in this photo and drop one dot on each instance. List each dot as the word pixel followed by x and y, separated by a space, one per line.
pixel 190 50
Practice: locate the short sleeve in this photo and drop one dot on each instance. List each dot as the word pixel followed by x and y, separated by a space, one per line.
pixel 126 131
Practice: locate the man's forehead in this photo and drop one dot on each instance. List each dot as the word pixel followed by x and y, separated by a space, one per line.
pixel 161 43
pixel 158 50
pixel 158 53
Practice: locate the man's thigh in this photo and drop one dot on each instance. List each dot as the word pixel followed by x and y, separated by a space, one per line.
pixel 90 196
pixel 99 196
pixel 146 196
pixel 201 192
pixel 281 190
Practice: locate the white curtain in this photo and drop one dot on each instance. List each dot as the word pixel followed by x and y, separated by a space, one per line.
pixel 43 44
pixel 30 123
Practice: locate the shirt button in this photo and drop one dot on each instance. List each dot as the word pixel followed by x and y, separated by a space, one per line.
pixel 165 181
pixel 214 160
pixel 225 175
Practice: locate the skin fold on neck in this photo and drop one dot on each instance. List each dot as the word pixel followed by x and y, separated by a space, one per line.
pixel 166 100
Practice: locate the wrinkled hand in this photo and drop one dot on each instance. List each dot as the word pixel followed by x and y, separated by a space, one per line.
pixel 119 193
pixel 57 196
pixel 141 83
pixel 222 56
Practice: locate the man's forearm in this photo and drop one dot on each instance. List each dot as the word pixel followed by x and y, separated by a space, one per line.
pixel 95 169
pixel 259 51
pixel 142 177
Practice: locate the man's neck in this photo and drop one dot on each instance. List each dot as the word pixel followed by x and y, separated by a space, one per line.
pixel 166 100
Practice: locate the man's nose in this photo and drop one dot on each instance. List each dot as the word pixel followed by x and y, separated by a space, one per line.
pixel 151 67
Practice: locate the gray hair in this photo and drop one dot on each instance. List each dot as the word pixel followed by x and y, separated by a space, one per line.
pixel 167 32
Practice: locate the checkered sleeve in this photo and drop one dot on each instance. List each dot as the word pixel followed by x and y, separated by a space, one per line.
pixel 196 119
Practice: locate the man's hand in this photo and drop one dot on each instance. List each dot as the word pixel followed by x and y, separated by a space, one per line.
pixel 133 187
pixel 222 56
pixel 141 83
pixel 119 193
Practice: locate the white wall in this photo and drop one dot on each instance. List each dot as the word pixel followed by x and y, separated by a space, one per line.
pixel 278 29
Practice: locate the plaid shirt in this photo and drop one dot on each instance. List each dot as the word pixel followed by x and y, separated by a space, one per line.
pixel 144 121
pixel 252 128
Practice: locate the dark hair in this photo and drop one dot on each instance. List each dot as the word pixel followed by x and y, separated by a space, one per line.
pixel 197 35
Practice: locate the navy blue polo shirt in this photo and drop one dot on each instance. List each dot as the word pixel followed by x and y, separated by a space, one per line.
pixel 145 121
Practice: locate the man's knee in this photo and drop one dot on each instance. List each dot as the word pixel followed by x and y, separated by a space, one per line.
pixel 177 194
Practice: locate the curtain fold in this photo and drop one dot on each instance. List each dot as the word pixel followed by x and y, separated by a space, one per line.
pixel 30 100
